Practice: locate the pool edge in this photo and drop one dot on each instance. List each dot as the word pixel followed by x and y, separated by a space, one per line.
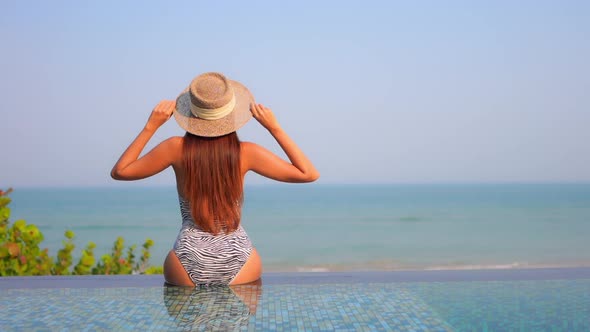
pixel 278 278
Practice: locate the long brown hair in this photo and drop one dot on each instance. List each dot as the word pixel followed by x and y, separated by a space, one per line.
pixel 213 181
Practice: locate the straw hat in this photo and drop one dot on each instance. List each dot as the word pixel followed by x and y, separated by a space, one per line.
pixel 213 106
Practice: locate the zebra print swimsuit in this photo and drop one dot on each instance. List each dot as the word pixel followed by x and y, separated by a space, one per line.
pixel 210 259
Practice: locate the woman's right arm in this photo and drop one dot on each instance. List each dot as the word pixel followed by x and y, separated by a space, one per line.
pixel 267 164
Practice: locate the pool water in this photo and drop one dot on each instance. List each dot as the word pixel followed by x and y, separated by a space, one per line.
pixel 317 303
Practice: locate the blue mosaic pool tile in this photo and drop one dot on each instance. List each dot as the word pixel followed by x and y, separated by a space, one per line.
pixel 540 305
pixel 551 305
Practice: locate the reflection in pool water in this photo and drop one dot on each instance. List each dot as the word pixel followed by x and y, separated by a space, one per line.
pixel 212 308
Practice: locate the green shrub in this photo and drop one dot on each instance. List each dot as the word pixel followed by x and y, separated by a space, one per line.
pixel 21 255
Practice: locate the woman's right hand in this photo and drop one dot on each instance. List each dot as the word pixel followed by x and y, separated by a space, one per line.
pixel 264 116
pixel 131 167
pixel 160 114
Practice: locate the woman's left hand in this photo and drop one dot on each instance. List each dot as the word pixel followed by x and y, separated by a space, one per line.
pixel 160 114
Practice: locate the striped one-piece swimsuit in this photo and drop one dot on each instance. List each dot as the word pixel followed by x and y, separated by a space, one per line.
pixel 207 258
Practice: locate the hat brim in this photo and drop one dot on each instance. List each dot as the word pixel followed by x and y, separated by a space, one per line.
pixel 212 128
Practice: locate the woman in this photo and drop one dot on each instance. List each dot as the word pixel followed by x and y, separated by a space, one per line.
pixel 210 164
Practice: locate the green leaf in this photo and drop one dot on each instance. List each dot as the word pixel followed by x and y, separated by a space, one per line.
pixel 3 252
pixel 19 224
pixel 88 260
pixel 4 213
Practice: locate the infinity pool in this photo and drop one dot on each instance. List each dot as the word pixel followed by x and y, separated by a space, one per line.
pixel 484 300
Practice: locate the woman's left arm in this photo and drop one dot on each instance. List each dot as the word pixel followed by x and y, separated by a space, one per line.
pixel 129 167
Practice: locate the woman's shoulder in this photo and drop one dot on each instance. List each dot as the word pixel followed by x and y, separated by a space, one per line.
pixel 245 145
pixel 249 148
pixel 173 146
pixel 174 141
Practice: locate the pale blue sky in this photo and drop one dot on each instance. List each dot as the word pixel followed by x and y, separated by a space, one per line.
pixel 374 92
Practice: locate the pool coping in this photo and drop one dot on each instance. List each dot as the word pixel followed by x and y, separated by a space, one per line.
pixel 310 278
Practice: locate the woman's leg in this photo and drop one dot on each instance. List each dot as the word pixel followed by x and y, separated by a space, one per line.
pixel 251 271
pixel 174 272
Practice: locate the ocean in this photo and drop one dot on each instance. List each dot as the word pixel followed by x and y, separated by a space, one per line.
pixel 321 227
